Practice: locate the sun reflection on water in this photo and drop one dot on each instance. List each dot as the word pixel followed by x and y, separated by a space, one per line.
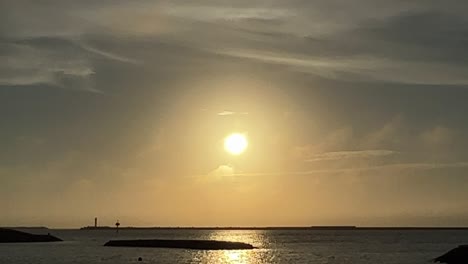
pixel 257 238
pixel 236 257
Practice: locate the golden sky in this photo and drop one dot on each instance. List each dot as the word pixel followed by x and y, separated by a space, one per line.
pixel 120 110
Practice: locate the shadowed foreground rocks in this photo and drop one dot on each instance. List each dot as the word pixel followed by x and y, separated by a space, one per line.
pixel 187 244
pixel 458 255
pixel 14 236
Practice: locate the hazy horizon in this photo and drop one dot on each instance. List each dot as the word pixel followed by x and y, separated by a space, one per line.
pixel 343 113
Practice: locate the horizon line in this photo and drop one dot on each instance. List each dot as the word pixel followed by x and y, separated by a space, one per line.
pixel 314 227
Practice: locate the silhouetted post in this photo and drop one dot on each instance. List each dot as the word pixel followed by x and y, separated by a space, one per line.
pixel 117 225
pixel 95 222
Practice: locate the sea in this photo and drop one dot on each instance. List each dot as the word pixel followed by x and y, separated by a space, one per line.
pixel 273 246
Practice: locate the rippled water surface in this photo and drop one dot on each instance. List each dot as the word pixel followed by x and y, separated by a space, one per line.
pixel 274 246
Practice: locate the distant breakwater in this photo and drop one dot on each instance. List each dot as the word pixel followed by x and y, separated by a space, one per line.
pixel 186 244
pixel 356 228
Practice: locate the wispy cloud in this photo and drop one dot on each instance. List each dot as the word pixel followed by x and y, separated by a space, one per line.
pixel 387 167
pixel 229 113
pixel 219 12
pixel 360 67
pixel 107 54
pixel 222 170
pixel 317 65
pixel 339 155
pixel 54 61
pixel 45 62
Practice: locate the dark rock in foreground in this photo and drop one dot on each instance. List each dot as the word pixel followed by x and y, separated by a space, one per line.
pixel 14 236
pixel 187 244
pixel 457 255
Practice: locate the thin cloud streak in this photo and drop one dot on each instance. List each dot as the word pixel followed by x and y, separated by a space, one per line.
pixel 360 67
pixel 229 113
pixel 396 166
pixel 339 155
pixel 108 55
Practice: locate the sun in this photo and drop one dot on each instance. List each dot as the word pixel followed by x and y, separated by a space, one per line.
pixel 236 143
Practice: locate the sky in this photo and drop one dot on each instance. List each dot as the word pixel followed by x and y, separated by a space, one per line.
pixel 355 112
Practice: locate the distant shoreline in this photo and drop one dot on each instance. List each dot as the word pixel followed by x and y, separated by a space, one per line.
pixel 396 228
pixel 275 228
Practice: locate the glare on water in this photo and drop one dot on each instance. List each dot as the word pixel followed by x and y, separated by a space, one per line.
pixel 274 246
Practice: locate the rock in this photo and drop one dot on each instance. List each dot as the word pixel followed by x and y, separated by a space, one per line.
pixel 14 236
pixel 188 244
pixel 458 255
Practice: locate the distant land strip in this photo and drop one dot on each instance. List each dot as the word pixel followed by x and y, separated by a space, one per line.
pixel 274 228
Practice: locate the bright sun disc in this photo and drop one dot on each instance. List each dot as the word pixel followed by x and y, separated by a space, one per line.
pixel 235 143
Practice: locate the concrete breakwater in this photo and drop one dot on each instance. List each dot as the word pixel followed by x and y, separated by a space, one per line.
pixel 187 244
pixel 14 236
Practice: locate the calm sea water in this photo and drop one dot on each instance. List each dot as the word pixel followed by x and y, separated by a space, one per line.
pixel 275 246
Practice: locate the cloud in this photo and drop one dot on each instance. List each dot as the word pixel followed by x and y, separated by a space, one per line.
pixel 229 113
pixel 380 48
pixel 107 54
pixel 230 13
pixel 339 155
pixel 319 65
pixel 337 139
pixel 44 61
pixel 391 134
pixel 395 143
pixel 222 170
pixel 386 167
pixel 439 136
pixel 54 61
pixel 365 44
